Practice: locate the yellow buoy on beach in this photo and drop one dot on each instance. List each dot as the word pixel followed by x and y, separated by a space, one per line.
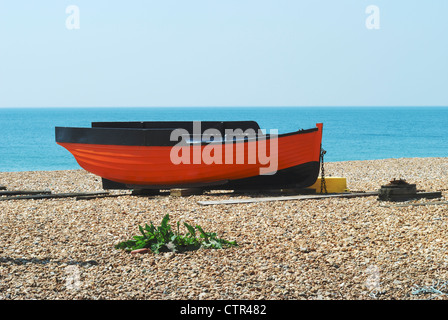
pixel 334 184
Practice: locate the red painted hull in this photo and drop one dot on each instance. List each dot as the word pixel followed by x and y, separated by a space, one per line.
pixel 153 165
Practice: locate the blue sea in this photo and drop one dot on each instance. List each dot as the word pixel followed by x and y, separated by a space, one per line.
pixel 350 133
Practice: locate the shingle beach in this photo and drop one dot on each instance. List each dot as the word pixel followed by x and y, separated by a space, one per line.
pixel 335 248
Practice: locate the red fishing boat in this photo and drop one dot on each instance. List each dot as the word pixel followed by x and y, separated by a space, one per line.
pixel 207 154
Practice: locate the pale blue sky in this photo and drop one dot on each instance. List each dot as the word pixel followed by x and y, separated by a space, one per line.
pixel 223 53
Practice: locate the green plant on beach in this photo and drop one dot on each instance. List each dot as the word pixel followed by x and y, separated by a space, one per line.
pixel 163 238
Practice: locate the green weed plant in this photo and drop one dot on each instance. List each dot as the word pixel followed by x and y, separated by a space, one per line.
pixel 164 239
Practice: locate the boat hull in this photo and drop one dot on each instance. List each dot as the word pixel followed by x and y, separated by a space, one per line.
pixel 268 161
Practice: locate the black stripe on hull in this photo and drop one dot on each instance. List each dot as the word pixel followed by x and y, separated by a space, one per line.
pixel 300 176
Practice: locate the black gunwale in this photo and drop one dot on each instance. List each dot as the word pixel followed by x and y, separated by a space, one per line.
pixel 104 133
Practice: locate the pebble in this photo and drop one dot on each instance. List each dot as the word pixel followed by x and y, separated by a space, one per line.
pixel 144 250
pixel 311 249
